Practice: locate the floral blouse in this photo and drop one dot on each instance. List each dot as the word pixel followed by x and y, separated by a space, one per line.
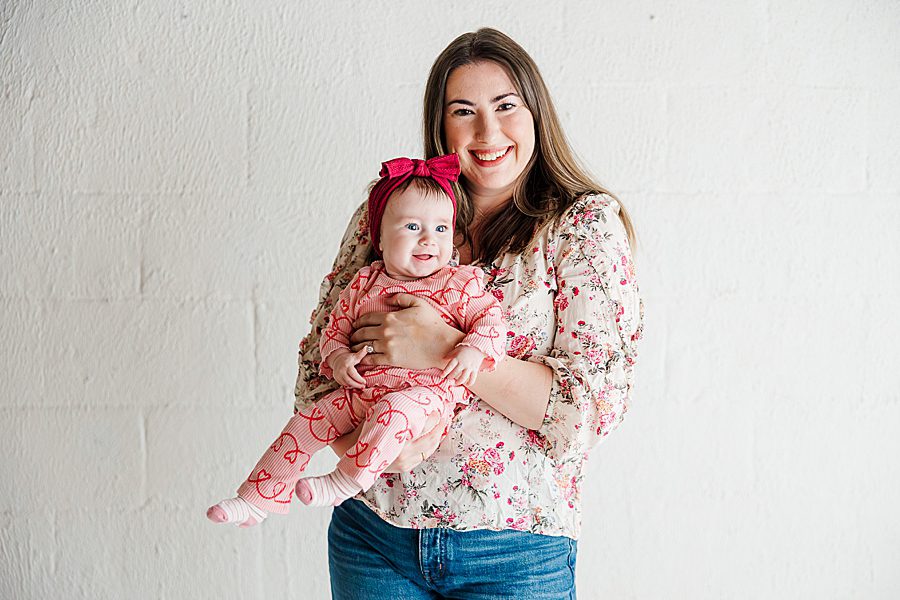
pixel 571 302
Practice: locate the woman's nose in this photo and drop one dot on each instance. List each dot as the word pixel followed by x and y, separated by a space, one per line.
pixel 487 127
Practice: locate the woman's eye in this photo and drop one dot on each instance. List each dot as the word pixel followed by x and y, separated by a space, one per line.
pixel 506 106
pixel 462 112
pixel 412 226
pixel 441 228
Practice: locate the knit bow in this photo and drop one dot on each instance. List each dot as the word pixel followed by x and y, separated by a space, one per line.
pixel 440 167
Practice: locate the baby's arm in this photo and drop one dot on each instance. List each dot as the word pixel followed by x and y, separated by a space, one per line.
pixel 482 319
pixel 464 364
pixel 343 366
pixel 335 340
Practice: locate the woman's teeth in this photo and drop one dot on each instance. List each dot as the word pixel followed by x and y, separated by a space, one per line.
pixel 491 156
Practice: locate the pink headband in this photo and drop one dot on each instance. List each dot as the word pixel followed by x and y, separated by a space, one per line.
pixel 442 169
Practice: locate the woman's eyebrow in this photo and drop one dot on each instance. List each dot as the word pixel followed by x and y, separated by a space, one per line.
pixel 494 100
pixel 502 96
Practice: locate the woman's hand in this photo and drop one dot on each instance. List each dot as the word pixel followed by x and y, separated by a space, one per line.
pixel 414 451
pixel 413 337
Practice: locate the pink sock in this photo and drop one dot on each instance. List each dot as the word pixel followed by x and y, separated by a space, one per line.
pixel 326 490
pixel 236 510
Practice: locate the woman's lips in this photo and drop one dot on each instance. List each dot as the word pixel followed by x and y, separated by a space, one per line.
pixel 490 158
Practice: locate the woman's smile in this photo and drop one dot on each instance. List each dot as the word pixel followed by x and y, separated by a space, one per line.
pixel 490 158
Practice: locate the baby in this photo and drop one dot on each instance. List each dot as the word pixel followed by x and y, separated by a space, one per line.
pixel 412 211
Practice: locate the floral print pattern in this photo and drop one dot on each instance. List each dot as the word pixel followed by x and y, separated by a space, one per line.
pixel 571 301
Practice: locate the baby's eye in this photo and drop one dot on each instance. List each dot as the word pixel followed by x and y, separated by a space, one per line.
pixel 412 226
pixel 441 228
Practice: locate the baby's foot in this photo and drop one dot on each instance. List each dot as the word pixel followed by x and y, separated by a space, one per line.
pixel 326 490
pixel 237 511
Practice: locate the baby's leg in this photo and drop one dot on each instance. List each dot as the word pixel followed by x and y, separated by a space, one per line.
pixel 398 417
pixel 270 486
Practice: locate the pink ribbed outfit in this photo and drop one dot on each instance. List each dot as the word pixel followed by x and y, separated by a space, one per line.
pixel 395 403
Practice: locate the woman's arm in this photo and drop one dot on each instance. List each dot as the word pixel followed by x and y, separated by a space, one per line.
pixel 598 318
pixel 413 452
pixel 517 388
pixel 416 337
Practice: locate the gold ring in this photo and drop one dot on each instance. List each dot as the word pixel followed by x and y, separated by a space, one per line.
pixel 423 456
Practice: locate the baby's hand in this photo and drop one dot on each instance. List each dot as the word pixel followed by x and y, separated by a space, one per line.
pixel 343 365
pixel 465 362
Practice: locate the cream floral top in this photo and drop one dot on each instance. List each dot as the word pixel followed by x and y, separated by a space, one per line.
pixel 572 303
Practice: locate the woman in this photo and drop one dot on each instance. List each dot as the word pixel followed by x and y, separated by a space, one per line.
pixel 495 510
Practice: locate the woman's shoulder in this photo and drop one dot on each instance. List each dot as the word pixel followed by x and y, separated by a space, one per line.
pixel 589 208
pixel 354 247
pixel 591 223
pixel 358 226
pixel 589 216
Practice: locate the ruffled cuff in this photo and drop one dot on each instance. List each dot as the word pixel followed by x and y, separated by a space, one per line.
pixel 327 350
pixel 583 409
pixel 491 342
pixel 488 364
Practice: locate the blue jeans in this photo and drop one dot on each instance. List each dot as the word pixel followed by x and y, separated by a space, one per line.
pixel 370 559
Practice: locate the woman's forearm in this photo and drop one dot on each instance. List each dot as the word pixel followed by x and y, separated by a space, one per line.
pixel 517 388
pixel 415 337
pixel 346 441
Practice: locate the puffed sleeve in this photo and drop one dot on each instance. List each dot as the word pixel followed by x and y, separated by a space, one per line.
pixel 599 319
pixel 351 257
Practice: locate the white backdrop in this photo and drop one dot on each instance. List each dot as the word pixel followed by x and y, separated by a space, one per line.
pixel 174 178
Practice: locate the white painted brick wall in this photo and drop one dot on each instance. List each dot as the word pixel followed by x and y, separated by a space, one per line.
pixel 174 177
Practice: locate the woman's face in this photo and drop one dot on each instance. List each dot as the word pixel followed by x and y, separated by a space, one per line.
pixel 487 124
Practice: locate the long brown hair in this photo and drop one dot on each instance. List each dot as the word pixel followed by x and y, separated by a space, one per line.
pixel 553 178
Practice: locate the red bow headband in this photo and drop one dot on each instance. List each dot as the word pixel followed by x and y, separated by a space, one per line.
pixel 442 169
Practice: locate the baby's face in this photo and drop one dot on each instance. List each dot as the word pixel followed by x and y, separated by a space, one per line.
pixel 416 234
